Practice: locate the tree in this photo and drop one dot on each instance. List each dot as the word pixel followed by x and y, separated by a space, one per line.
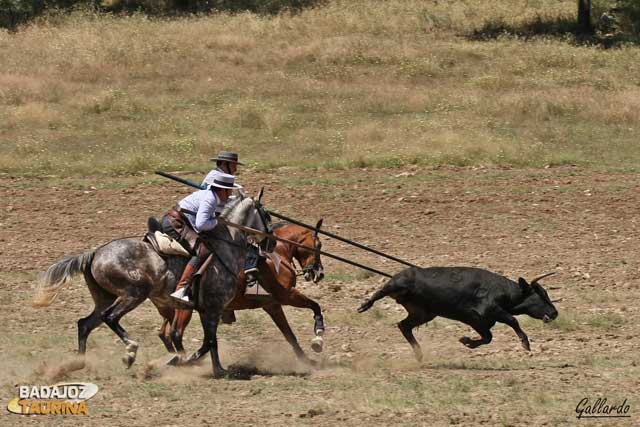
pixel 584 17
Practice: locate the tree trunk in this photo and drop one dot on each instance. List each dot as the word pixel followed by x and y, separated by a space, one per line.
pixel 584 17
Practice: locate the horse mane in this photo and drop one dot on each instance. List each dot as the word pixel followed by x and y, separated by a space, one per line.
pixel 231 205
pixel 236 206
pixel 280 224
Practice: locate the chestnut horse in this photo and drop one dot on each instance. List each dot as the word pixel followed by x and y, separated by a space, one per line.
pixel 279 281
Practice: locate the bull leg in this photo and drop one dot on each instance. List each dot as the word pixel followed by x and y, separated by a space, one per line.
pixel 277 315
pixel 506 318
pixel 485 338
pixel 415 318
pixel 112 315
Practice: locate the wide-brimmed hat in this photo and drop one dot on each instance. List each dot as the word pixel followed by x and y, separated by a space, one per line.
pixel 222 180
pixel 227 156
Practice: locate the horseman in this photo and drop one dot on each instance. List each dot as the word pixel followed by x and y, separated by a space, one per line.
pixel 189 221
pixel 227 162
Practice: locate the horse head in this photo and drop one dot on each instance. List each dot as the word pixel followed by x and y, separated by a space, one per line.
pixel 249 213
pixel 310 260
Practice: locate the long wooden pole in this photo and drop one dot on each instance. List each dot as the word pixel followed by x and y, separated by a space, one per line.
pixel 310 227
pixel 342 239
pixel 309 248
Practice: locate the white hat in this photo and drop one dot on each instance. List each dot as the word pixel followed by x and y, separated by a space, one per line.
pixel 221 180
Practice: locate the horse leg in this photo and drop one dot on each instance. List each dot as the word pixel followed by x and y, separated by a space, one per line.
pixel 181 319
pixel 296 299
pixel 165 335
pixel 210 320
pixel 277 315
pixel 102 299
pixel 165 330
pixel 199 353
pixel 202 351
pixel 112 315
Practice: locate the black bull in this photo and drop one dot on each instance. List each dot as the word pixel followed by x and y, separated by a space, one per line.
pixel 473 296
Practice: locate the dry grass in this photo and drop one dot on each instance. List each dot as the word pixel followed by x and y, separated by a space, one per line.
pixel 352 84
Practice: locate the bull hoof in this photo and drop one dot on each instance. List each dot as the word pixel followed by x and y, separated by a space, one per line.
pixel 128 359
pixel 317 344
pixel 468 342
pixel 526 346
pixel 220 373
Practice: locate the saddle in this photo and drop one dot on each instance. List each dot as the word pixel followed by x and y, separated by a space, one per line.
pixel 162 243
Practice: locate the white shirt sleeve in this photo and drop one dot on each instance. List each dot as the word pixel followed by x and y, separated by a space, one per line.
pixel 205 217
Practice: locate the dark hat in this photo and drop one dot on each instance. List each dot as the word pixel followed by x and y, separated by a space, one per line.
pixel 226 156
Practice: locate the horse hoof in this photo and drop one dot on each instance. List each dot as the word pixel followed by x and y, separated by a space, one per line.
pixel 132 347
pixel 128 359
pixel 317 344
pixel 174 360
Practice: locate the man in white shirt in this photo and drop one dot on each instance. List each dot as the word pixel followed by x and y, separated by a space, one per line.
pixel 227 162
pixel 199 211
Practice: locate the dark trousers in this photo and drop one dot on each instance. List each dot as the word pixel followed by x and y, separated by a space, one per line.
pixel 251 261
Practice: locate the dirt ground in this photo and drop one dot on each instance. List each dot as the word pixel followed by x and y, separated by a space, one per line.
pixel 581 224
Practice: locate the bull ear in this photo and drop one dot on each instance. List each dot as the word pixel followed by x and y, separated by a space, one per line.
pixel 524 286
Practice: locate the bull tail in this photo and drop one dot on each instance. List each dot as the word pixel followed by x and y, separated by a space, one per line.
pixel 396 287
pixel 59 274
pixel 386 290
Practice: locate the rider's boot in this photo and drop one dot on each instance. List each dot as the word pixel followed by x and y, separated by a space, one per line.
pixel 181 292
pixel 254 289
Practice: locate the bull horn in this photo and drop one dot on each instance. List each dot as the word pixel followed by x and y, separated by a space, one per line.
pixel 542 277
pixel 557 300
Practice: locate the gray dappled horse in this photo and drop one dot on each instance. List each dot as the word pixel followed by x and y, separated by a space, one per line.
pixel 123 273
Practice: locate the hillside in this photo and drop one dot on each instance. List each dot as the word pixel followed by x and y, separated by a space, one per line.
pixel 355 83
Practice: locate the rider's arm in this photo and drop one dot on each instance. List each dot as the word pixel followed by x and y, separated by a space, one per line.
pixel 205 217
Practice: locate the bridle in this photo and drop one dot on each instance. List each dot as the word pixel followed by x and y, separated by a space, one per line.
pixel 316 265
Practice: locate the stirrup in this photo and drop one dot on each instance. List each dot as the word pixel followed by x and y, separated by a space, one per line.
pixel 181 299
pixel 254 289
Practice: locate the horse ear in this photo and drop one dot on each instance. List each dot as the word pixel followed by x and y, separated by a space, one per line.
pixel 260 194
pixel 318 225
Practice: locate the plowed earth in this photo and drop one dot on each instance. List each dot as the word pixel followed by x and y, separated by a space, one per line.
pixel 581 224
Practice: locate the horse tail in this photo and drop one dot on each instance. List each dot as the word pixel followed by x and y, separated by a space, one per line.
pixel 59 274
